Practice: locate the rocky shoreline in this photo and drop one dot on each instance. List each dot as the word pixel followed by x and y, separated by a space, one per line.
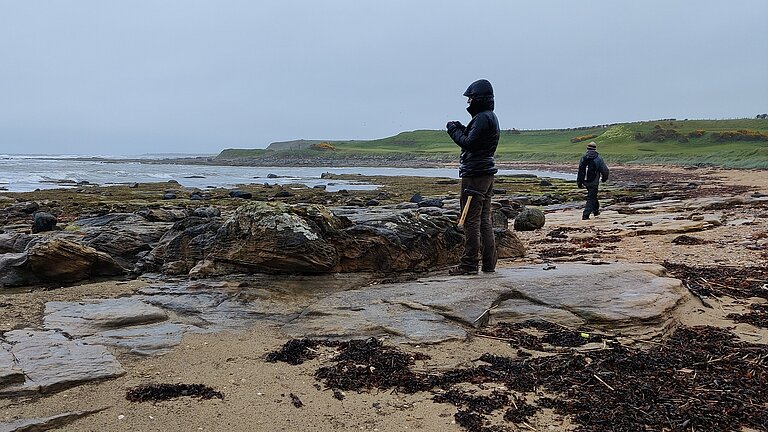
pixel 109 282
pixel 282 160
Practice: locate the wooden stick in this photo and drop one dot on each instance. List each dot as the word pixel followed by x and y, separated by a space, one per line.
pixel 697 295
pixel 465 211
pixel 604 383
pixel 492 337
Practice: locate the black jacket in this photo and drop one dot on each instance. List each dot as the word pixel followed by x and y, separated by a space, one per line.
pixel 478 140
pixel 591 169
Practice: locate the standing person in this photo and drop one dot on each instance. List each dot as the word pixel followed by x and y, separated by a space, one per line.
pixel 478 141
pixel 591 170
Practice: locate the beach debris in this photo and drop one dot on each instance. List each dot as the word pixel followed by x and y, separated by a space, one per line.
pixel 367 364
pixel 736 282
pixel 296 401
pixel 689 240
pixel 295 351
pixel 702 377
pixel 160 392
pixel 558 252
pixel 758 316
pixel 528 335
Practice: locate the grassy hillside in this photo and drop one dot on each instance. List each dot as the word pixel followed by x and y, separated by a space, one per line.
pixel 684 142
pixel 240 153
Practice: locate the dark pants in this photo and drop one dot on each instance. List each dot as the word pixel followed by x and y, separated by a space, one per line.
pixel 478 226
pixel 592 205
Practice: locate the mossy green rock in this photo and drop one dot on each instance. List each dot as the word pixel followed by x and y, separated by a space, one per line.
pixel 529 219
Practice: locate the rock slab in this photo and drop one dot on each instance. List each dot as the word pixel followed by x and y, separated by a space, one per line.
pixel 55 260
pixel 51 361
pixel 45 423
pixel 618 295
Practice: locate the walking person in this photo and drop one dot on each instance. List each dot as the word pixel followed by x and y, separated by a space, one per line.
pixel 592 169
pixel 478 141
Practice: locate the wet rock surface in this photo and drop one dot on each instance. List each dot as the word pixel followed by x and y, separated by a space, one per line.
pixel 439 308
pixel 10 374
pixel 11 242
pixel 126 323
pixel 52 361
pixel 45 423
pixel 72 348
pixel 124 236
pixel 55 260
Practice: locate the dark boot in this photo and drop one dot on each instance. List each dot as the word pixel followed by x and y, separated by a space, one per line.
pixel 460 271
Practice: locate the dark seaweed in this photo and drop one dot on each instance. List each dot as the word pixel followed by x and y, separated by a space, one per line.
pixel 159 392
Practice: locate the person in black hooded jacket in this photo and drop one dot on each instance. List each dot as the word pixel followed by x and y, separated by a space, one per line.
pixel 592 169
pixel 478 141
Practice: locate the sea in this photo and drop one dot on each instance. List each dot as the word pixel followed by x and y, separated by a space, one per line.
pixel 24 173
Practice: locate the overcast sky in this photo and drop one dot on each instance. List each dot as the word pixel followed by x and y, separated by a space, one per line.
pixel 151 76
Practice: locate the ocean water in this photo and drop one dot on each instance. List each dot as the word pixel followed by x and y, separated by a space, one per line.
pixel 23 173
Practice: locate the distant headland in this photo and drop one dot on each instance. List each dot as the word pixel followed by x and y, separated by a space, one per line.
pixel 733 143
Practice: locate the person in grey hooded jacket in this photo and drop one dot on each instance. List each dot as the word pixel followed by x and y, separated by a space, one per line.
pixel 592 169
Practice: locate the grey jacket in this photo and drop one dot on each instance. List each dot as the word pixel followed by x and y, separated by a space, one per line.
pixel 592 169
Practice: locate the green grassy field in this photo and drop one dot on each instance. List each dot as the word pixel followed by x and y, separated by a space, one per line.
pixel 681 144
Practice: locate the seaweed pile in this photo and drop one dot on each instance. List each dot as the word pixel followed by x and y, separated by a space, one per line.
pixel 689 240
pixel 160 392
pixel 296 351
pixel 758 316
pixel 367 364
pixel 558 252
pixel 519 335
pixel 575 246
pixel 701 378
pixel 735 282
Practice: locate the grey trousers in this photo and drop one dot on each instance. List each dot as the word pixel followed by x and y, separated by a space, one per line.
pixel 592 205
pixel 478 226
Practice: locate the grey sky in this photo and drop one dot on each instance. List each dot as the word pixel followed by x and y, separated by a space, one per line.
pixel 150 76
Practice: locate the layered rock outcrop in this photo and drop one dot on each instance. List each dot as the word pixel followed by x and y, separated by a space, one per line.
pixel 55 260
pixel 124 236
pixel 258 237
pixel 278 238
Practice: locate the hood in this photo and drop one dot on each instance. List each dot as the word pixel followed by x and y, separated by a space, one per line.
pixel 591 154
pixel 479 89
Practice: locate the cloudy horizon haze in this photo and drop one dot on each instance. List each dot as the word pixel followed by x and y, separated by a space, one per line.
pixel 193 76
